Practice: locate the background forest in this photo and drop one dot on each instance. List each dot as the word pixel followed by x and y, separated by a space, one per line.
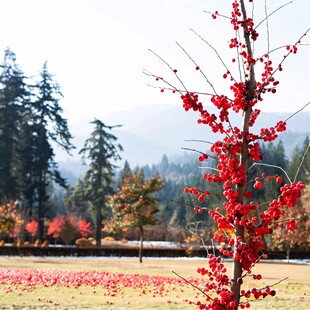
pixel 34 190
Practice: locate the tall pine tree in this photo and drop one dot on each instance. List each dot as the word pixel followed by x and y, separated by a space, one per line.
pixel 13 107
pixel 48 126
pixel 100 150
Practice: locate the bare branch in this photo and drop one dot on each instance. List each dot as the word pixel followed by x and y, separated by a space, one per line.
pixel 173 70
pixel 210 168
pixel 171 87
pixel 287 54
pixel 267 28
pixel 221 15
pixel 284 46
pixel 278 282
pixel 194 150
pixel 201 239
pixel 297 111
pixel 301 162
pixel 197 66
pixel 216 52
pixel 279 8
pixel 273 166
pixel 193 285
pixel 203 141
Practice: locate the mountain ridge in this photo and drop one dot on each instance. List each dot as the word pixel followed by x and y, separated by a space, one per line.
pixel 149 132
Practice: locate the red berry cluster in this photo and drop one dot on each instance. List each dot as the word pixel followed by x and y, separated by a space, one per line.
pixel 257 293
pixel 270 134
pixel 217 281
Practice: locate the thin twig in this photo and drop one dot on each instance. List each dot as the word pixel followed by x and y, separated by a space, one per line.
pixel 182 203
pixel 267 28
pixel 283 46
pixel 197 66
pixel 201 239
pixel 279 8
pixel 198 140
pixel 216 52
pixel 171 87
pixel 278 282
pixel 286 56
pixel 193 285
pixel 209 168
pixel 297 111
pixel 173 70
pixel 273 166
pixel 302 161
pixel 194 150
pixel 221 15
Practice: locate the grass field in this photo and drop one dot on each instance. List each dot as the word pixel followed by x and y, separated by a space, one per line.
pixel 293 293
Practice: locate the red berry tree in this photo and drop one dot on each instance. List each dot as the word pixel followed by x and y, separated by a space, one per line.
pixel 236 153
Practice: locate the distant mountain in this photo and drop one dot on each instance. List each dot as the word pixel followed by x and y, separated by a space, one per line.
pixel 151 131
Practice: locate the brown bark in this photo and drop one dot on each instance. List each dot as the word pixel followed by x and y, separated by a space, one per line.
pixel 244 158
pixel 141 243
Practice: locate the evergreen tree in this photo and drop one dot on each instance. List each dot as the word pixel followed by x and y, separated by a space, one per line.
pixel 164 165
pixel 124 174
pixel 48 126
pixel 100 150
pixel 76 202
pixel 13 107
pixel 300 162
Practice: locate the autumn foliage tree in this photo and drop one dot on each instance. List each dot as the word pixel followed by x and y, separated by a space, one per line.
pixel 85 228
pixel 252 78
pixel 32 228
pixel 134 206
pixel 11 220
pixel 63 227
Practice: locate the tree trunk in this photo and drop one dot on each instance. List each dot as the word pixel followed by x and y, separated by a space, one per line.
pixel 141 243
pixel 288 255
pixel 244 158
pixel 41 207
pixel 98 225
pixel 239 230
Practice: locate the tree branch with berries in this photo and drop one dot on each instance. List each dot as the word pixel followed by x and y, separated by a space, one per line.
pixel 234 153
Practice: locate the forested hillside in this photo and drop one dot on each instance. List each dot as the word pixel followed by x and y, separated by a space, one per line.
pixel 178 211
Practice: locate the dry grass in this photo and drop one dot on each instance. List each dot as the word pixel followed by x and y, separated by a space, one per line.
pixel 293 293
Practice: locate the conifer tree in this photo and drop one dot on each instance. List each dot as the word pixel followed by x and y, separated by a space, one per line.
pixel 13 106
pixel 101 151
pixel 48 126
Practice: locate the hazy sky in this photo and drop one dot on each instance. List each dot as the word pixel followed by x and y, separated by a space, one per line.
pixel 97 49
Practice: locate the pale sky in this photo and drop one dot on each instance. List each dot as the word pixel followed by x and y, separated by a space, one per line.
pixel 97 49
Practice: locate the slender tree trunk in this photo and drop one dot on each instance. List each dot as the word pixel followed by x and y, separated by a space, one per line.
pixel 141 243
pixel 98 225
pixel 244 158
pixel 288 255
pixel 239 230
pixel 41 207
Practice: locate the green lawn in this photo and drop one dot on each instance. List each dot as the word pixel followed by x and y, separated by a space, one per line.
pixel 293 293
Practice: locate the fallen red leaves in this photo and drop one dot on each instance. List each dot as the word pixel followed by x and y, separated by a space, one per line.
pixel 105 279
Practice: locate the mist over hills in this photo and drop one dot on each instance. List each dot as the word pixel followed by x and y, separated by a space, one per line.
pixel 149 132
